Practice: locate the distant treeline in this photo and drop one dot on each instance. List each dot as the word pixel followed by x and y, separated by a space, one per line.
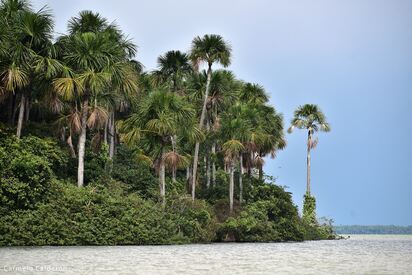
pixel 373 229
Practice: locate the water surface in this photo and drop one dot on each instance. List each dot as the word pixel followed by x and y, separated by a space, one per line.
pixel 361 254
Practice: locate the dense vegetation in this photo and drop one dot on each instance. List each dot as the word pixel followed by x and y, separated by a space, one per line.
pixel 373 229
pixel 95 150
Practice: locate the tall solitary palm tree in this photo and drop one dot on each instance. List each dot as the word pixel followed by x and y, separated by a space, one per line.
pixel 209 49
pixel 310 118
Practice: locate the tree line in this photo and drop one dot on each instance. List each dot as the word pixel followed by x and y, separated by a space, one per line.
pixel 186 119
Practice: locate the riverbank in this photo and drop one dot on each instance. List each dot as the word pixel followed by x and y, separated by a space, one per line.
pixel 40 204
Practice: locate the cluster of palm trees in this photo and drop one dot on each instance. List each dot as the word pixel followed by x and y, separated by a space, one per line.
pixel 180 118
pixel 84 76
pixel 186 116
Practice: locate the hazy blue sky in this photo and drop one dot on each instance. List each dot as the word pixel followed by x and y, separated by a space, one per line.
pixel 352 57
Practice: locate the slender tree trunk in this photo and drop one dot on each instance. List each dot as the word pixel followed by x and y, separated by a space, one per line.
pixel 63 135
pixel 308 162
pixel 260 172
pixel 202 118
pixel 249 168
pixel 162 178
pixel 213 165
pixel 106 125
pixel 208 171
pixel 27 109
pixel 173 140
pixel 207 158
pixel 112 134
pixel 70 143
pixel 82 141
pixel 189 178
pixel 231 186
pixel 241 179
pixel 188 173
pixel 194 171
pixel 21 115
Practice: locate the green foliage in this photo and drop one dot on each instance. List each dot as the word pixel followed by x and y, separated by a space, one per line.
pixel 121 207
pixel 269 216
pixel 27 170
pixel 106 215
pixel 89 71
pixel 95 165
pixel 309 210
pixel 136 175
pixel 217 192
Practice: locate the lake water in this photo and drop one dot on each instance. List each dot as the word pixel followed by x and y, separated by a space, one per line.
pixel 361 254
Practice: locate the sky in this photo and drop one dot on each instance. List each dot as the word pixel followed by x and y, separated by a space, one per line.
pixel 351 57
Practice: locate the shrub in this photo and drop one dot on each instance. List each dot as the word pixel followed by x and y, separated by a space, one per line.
pixel 309 210
pixel 26 171
pixel 105 215
pixel 136 175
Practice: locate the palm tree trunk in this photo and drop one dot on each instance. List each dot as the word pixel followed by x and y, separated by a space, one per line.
pixel 241 179
pixel 106 125
pixel 202 118
pixel 21 115
pixel 82 141
pixel 308 162
pixel 189 178
pixel 27 109
pixel 213 165
pixel 231 186
pixel 70 143
pixel 173 140
pixel 207 158
pixel 162 177
pixel 194 172
pixel 188 173
pixel 260 173
pixel 249 168
pixel 112 133
pixel 208 171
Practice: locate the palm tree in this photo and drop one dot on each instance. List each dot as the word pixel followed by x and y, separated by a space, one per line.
pixel 94 56
pixel 29 34
pixel 123 90
pixel 173 67
pixel 210 49
pixel 311 118
pixel 159 116
pixel 253 93
pixel 271 138
pixel 224 88
pixel 232 149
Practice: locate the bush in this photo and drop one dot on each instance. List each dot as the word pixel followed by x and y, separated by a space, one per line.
pixel 136 175
pixel 261 222
pixel 269 216
pixel 309 210
pixel 26 171
pixel 106 215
